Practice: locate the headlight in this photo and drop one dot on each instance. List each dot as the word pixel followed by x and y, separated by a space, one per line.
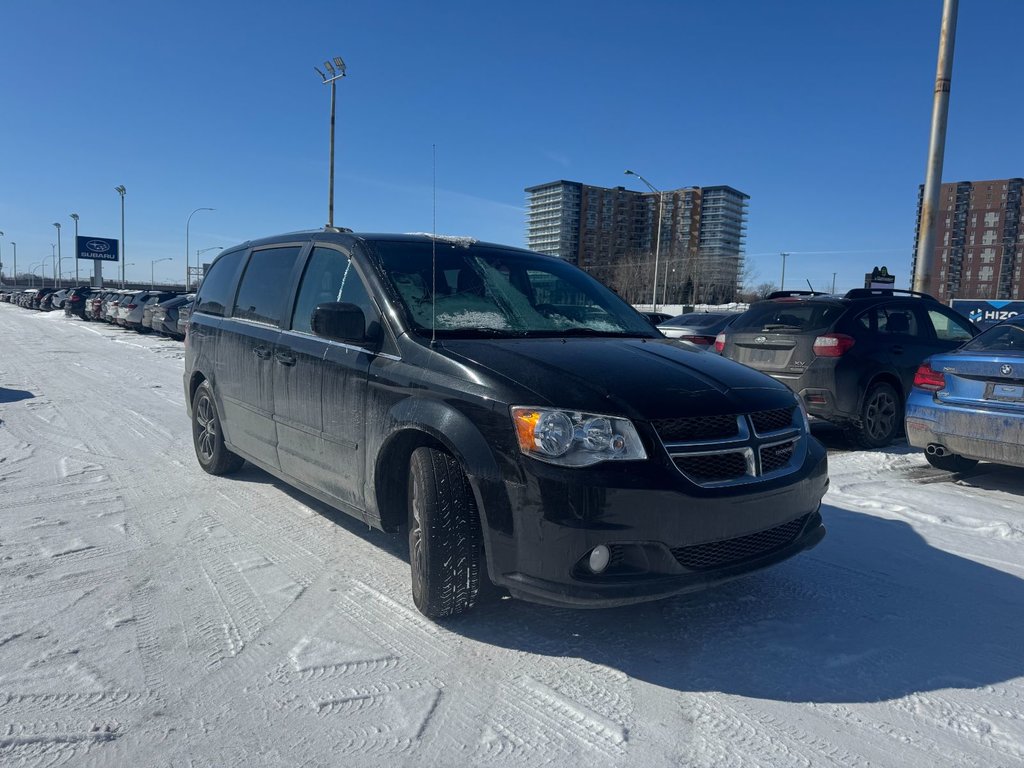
pixel 575 439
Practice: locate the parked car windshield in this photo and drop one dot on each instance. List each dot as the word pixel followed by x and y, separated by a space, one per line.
pixel 478 291
pixel 787 317
pixel 695 319
pixel 1005 337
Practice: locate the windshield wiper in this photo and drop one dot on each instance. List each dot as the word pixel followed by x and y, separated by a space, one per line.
pixel 781 326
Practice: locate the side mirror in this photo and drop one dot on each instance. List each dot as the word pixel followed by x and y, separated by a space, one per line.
pixel 339 321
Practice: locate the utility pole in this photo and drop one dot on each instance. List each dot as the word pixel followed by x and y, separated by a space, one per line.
pixel 782 287
pixel 833 282
pixel 936 150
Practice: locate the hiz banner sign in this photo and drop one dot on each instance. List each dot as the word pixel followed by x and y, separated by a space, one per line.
pixel 987 313
pixel 101 248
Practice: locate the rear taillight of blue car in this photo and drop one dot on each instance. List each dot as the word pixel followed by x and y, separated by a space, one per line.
pixel 929 379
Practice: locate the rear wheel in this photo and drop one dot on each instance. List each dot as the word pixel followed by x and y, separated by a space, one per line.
pixel 445 551
pixel 207 436
pixel 951 462
pixel 881 418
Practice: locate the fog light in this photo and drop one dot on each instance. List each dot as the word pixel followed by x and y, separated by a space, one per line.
pixel 599 558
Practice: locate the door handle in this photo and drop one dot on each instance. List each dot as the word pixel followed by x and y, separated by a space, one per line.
pixel 261 352
pixel 284 358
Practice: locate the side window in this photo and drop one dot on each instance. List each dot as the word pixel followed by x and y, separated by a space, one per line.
pixel 897 321
pixel 215 292
pixel 330 276
pixel 949 327
pixel 261 293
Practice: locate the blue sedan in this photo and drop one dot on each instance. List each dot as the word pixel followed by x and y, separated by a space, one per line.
pixel 968 405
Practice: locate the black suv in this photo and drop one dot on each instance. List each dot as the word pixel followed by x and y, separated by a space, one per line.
pixel 851 358
pixel 76 300
pixel 522 421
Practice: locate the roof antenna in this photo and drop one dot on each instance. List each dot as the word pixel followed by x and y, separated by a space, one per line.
pixel 433 255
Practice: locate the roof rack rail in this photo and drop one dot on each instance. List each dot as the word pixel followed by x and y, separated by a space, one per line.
pixel 864 293
pixel 787 294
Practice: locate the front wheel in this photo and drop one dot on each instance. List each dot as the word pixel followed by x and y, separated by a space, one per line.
pixel 208 437
pixel 881 418
pixel 445 549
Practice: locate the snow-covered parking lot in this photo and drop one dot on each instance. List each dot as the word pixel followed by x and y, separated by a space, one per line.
pixel 153 615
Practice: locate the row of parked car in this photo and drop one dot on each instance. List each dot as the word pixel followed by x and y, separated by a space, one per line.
pixel 163 312
pixel 881 364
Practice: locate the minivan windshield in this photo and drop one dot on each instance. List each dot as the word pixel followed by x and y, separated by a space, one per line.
pixel 462 290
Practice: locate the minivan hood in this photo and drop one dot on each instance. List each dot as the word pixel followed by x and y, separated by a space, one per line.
pixel 636 378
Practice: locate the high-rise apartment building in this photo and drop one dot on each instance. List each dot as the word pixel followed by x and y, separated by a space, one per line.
pixel 613 234
pixel 979 240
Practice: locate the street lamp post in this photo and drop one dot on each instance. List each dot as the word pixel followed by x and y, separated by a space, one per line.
pixel 152 280
pixel 14 247
pixel 121 191
pixel 657 246
pixel 75 217
pixel 2 262
pixel 782 287
pixel 53 258
pixel 202 251
pixel 336 71
pixel 60 261
pixel 188 221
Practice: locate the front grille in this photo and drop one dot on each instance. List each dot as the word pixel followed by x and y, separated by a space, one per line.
pixel 697 428
pixel 775 457
pixel 714 467
pixel 772 421
pixel 718 553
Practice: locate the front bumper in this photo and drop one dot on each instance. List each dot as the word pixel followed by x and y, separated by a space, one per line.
pixel 666 535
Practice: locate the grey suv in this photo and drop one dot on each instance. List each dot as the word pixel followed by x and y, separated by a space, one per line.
pixel 521 421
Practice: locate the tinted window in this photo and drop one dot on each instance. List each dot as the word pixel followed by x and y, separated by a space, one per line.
pixel 788 316
pixel 949 327
pixel 215 292
pixel 330 276
pixel 893 321
pixel 261 293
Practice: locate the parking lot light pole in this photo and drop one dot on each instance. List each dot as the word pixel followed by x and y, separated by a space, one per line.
pixel 75 217
pixel 657 246
pixel 14 247
pixel 121 191
pixel 2 262
pixel 198 264
pixel 336 71
pixel 60 261
pixel 53 258
pixel 152 280
pixel 188 221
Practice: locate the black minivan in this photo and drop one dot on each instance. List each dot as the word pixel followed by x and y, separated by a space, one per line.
pixel 524 423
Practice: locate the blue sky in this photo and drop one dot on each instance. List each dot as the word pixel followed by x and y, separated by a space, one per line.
pixel 818 110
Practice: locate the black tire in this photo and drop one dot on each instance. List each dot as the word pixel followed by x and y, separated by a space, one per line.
pixel 881 418
pixel 208 437
pixel 445 552
pixel 951 462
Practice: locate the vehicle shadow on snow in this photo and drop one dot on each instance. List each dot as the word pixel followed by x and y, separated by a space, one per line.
pixel 14 395
pixel 873 613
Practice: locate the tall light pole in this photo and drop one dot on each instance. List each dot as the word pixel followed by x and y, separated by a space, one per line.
pixel 657 246
pixel 152 280
pixel 14 246
pixel 782 287
pixel 337 71
pixel 1 262
pixel 121 191
pixel 75 217
pixel 60 261
pixel 53 258
pixel 188 221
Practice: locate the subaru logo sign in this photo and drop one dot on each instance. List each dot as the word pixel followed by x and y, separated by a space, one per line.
pixel 97 248
pixel 760 339
pixel 1006 370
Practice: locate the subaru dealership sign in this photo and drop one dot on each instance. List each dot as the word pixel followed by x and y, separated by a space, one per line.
pixel 987 313
pixel 101 248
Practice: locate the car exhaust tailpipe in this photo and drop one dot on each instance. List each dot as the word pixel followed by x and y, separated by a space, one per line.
pixel 934 449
